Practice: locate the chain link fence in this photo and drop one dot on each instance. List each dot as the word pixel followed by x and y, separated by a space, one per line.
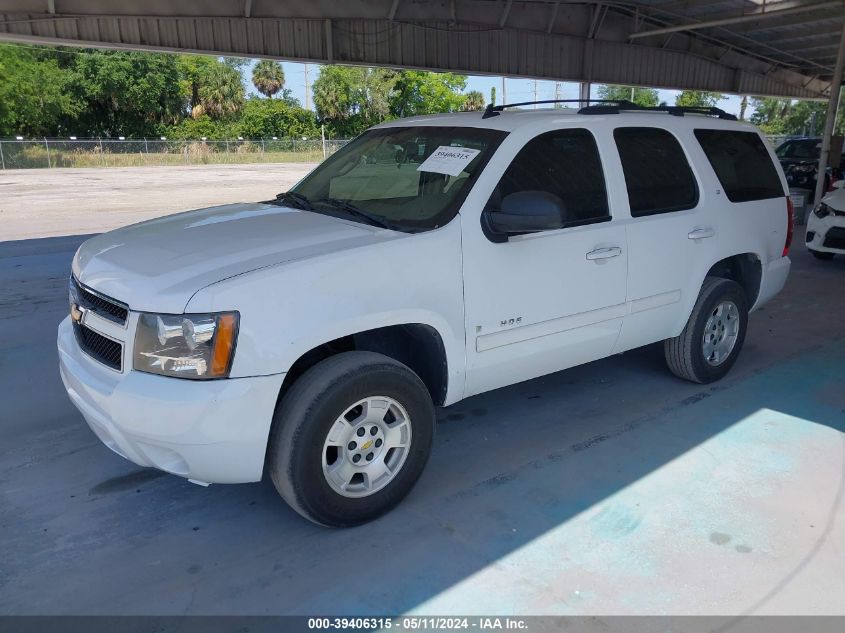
pixel 49 153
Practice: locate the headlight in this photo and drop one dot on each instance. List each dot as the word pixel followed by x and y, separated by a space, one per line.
pixel 805 169
pixel 198 346
pixel 822 210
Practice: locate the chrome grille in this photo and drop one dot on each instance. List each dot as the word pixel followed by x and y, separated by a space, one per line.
pixel 105 307
pixel 99 347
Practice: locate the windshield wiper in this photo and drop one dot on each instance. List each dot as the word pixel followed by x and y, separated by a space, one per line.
pixel 298 200
pixel 350 208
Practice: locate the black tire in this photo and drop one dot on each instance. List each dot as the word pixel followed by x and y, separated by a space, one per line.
pixel 685 353
pixel 309 409
pixel 821 254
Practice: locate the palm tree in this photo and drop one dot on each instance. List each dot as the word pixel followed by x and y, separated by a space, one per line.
pixel 474 101
pixel 268 77
pixel 221 91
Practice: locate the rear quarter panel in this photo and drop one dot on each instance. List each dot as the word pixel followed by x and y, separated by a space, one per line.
pixel 758 227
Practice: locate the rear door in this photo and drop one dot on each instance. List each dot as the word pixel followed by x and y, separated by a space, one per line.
pixel 670 234
pixel 544 301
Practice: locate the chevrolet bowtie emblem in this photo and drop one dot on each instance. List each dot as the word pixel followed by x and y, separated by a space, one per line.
pixel 76 313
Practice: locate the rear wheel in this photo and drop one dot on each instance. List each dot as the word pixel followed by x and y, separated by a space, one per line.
pixel 822 255
pixel 713 337
pixel 351 438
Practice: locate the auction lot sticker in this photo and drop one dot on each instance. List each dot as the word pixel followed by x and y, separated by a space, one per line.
pixel 448 160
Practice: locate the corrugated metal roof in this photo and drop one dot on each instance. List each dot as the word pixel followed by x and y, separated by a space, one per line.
pixel 786 49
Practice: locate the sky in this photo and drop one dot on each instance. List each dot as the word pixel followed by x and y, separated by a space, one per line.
pixel 518 89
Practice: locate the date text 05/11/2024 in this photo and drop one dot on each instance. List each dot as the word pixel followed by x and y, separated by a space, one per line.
pixel 411 623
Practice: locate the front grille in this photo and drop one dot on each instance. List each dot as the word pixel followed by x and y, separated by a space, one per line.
pixel 98 347
pixel 106 307
pixel 835 238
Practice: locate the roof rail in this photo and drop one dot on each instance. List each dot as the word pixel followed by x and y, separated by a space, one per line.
pixel 673 110
pixel 496 110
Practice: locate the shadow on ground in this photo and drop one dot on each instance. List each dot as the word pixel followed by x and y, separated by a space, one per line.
pixel 548 496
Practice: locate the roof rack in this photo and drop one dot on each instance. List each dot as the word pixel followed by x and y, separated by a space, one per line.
pixel 496 110
pixel 673 110
pixel 614 106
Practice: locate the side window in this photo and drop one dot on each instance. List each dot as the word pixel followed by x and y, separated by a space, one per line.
pixel 657 174
pixel 565 167
pixel 742 164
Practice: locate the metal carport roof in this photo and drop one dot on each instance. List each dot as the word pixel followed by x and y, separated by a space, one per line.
pixel 759 47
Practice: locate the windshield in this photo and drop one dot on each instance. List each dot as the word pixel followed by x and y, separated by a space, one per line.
pixel 409 179
pixel 808 149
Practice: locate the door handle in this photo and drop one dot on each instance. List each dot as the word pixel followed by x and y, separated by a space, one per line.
pixel 701 232
pixel 604 253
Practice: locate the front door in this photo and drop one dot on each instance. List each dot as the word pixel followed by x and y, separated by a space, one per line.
pixel 544 301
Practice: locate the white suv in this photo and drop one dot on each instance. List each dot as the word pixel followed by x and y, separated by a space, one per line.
pixel 428 260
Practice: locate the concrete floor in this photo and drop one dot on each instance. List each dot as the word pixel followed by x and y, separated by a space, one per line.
pixel 612 488
pixel 50 202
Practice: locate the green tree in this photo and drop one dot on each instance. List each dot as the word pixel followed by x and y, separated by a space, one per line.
pixel 264 118
pixel 35 99
pixel 473 100
pixel 418 92
pixel 770 114
pixel 698 99
pixel 126 93
pixel 221 91
pixel 641 96
pixel 268 77
pixel 192 70
pixel 197 127
pixel 349 99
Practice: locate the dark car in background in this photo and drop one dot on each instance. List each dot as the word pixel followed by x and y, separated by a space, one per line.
pixel 799 158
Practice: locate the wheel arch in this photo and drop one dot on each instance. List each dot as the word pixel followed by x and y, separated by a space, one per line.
pixel 419 346
pixel 746 269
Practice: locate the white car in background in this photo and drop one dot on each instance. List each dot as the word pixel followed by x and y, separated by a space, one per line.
pixel 826 225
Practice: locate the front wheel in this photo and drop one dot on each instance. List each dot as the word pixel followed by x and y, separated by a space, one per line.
pixel 351 438
pixel 711 341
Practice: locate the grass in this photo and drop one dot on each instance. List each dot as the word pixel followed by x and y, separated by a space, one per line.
pixel 19 156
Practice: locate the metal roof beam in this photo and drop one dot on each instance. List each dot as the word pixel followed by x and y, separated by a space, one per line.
pixel 503 20
pixel 748 17
pixel 804 49
pixel 826 21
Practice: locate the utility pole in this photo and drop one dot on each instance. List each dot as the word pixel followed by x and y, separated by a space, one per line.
pixel 584 93
pixel 504 91
pixel 832 107
pixel 557 93
pixel 307 90
pixel 535 94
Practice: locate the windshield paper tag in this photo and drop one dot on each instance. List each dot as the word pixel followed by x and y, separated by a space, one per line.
pixel 448 160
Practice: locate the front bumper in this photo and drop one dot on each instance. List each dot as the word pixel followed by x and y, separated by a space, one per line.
pixel 827 234
pixel 209 431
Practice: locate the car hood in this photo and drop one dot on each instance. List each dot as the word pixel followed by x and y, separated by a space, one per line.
pixel 835 199
pixel 160 264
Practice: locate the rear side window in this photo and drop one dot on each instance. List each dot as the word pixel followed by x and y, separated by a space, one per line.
pixel 657 174
pixel 564 164
pixel 742 164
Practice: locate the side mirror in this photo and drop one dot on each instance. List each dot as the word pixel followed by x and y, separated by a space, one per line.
pixel 524 212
